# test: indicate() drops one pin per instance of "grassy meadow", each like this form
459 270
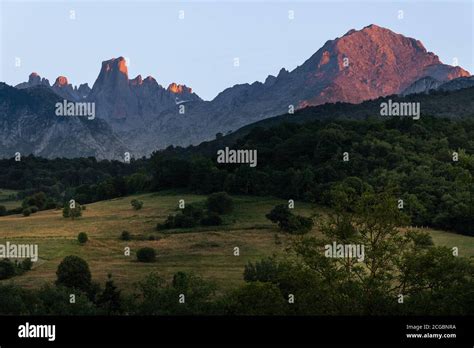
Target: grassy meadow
208 252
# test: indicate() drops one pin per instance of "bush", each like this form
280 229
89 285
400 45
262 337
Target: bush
220 203
7 269
73 272
211 219
265 270
26 212
125 235
294 224
193 211
33 209
136 204
26 264
146 254
279 213
72 212
3 210
297 224
183 221
82 238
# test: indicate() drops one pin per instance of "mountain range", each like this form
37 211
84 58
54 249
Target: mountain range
141 116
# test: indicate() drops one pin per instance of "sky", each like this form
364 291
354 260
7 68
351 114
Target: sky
200 50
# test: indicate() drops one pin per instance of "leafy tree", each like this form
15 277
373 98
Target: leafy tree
72 213
73 272
125 235
220 203
136 204
110 299
7 269
146 254
82 237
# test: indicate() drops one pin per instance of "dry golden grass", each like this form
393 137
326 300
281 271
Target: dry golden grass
206 251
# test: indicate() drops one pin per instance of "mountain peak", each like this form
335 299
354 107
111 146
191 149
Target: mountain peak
137 81
115 65
179 89
61 81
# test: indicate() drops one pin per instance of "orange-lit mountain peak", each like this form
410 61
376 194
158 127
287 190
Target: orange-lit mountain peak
178 89
34 74
122 65
115 64
61 81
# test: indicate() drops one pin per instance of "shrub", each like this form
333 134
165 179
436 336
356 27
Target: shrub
7 269
72 212
73 272
82 237
26 212
125 235
220 203
26 264
294 224
211 219
136 204
183 221
297 224
3 210
33 209
193 211
265 270
279 213
146 254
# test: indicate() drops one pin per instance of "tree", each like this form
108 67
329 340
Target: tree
256 298
136 204
146 254
72 213
7 269
125 235
82 237
3 210
288 222
220 203
73 272
110 299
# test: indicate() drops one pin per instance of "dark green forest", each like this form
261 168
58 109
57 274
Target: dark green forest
426 163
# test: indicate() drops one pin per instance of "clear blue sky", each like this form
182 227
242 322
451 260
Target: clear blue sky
199 50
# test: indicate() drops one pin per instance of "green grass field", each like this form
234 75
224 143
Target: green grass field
207 252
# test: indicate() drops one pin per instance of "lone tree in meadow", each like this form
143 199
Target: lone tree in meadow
72 211
220 203
82 237
136 204
73 272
